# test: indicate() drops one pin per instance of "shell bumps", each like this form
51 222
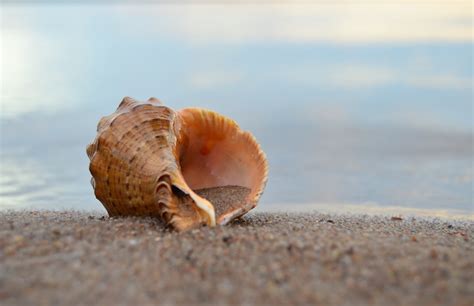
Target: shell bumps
149 160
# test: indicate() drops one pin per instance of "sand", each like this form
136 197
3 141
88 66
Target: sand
69 258
225 199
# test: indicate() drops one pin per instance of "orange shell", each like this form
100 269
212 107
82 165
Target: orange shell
148 160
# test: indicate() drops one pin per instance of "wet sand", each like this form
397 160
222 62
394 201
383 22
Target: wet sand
69 258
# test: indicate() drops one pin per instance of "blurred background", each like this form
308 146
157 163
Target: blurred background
357 104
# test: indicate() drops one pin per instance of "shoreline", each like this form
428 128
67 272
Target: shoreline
372 209
71 257
340 209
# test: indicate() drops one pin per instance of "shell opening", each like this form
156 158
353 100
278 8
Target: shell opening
217 153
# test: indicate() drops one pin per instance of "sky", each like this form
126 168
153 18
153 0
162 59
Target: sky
353 102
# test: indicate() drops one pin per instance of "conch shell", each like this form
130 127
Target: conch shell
149 160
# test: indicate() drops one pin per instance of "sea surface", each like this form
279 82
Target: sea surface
356 106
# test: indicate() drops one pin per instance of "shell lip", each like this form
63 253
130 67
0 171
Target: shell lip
228 217
206 207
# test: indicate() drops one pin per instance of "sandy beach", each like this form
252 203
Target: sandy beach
69 258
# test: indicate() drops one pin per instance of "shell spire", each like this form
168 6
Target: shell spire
149 160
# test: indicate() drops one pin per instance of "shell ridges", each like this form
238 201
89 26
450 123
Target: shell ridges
149 160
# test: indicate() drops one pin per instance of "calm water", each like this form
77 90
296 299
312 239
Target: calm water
353 104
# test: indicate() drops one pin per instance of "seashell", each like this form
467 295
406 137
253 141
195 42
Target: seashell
149 160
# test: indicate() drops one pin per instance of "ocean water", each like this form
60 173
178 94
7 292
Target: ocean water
356 106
